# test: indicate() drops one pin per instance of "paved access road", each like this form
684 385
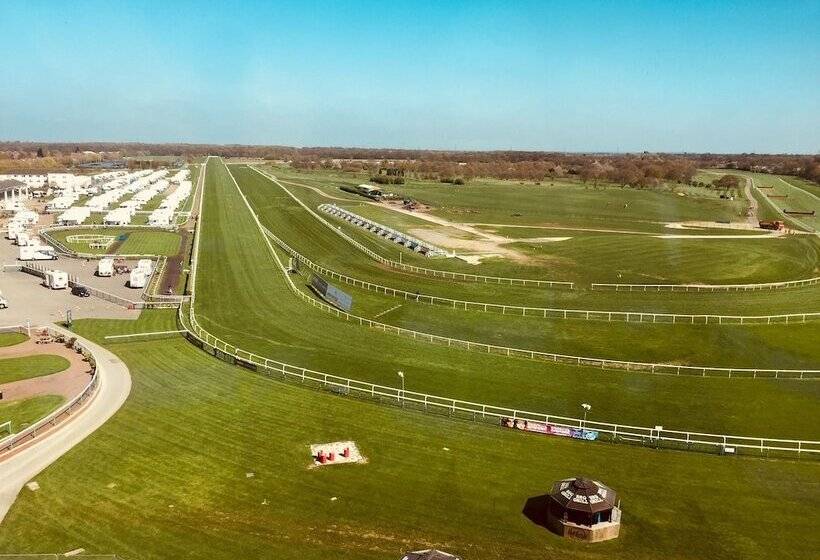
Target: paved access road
25 464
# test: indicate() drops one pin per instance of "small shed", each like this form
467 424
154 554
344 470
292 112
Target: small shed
584 509
430 554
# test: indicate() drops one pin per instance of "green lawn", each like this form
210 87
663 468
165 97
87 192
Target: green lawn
26 367
168 477
139 241
12 338
303 232
25 412
586 257
265 317
554 202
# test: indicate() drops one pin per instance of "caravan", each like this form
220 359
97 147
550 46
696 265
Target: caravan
146 266
37 253
136 279
105 267
56 280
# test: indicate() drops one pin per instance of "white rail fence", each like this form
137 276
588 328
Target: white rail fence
418 269
31 432
621 433
706 287
547 312
679 439
602 363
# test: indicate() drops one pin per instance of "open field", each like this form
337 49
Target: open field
256 285
138 241
304 233
175 462
639 258
554 202
26 367
207 459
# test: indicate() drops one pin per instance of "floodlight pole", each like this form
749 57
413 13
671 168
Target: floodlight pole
401 375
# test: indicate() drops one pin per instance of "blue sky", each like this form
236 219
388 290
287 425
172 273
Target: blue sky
574 76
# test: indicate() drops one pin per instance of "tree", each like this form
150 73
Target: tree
727 182
40 152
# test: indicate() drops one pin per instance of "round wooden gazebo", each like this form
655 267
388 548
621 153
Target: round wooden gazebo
583 509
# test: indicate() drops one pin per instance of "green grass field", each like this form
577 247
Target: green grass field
303 232
26 367
12 338
256 286
139 241
25 412
636 258
174 463
210 460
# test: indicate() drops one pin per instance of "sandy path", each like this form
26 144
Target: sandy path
565 228
18 468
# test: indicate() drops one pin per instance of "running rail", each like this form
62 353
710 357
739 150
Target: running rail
692 441
548 312
418 269
603 363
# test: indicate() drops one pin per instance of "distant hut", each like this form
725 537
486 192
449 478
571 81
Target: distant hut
430 554
583 509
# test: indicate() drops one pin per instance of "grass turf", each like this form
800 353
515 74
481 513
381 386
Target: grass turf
303 232
265 317
12 338
26 367
168 477
139 241
25 412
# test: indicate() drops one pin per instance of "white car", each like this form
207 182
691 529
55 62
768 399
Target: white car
4 303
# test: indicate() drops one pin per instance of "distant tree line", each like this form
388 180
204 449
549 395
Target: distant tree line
638 169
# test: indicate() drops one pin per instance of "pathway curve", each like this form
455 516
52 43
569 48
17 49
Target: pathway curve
67 383
28 462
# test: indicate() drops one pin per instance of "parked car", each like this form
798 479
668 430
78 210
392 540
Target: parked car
4 303
80 291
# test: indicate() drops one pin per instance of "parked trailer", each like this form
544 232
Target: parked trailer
23 239
105 267
136 279
56 280
37 253
146 265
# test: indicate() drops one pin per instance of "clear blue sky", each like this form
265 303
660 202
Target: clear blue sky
575 76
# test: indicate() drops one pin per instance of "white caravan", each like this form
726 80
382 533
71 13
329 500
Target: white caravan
37 253
56 280
136 279
105 267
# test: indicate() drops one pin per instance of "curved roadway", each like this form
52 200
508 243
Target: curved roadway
25 464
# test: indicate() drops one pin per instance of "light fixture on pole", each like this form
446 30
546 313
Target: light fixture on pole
401 374
587 407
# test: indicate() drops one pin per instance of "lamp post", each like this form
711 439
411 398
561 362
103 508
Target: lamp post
401 375
587 407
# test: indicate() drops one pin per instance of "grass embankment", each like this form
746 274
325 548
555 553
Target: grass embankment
305 234
26 367
209 460
138 241
25 412
266 317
